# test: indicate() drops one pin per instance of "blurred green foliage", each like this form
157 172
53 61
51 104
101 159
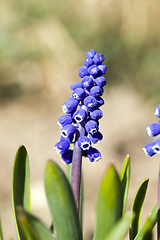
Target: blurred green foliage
38 39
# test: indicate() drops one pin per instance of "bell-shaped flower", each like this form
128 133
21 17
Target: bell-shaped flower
96 91
93 70
84 143
148 149
157 111
76 85
90 54
83 71
156 146
98 58
96 137
102 68
68 130
70 106
62 146
153 129
93 154
79 94
87 82
100 81
91 126
96 114
68 139
66 158
100 101
80 115
64 120
90 102
88 62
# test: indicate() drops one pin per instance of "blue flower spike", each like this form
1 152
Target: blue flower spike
80 122
153 130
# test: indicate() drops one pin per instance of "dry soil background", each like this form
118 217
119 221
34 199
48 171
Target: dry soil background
33 122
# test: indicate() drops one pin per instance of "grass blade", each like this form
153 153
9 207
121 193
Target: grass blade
21 186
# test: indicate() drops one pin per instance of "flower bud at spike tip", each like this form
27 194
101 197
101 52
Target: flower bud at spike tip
90 54
98 58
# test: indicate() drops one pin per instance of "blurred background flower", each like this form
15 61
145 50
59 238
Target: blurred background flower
42 46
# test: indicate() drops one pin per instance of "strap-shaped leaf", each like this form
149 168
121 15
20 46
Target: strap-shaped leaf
61 204
33 227
119 231
21 186
137 208
146 233
148 225
125 177
109 204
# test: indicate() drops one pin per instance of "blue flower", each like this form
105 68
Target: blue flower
157 111
80 125
148 149
90 102
80 115
153 130
84 143
91 127
68 131
93 154
62 146
64 120
79 94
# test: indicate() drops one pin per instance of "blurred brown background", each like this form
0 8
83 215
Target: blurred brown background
42 45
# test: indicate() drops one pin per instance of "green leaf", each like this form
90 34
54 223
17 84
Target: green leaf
21 186
109 204
146 233
61 204
32 226
119 231
1 234
148 225
125 177
137 208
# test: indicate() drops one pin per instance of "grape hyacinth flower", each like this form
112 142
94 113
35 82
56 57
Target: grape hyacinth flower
80 124
153 130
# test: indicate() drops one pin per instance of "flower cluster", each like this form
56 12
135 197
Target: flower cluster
153 130
80 124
